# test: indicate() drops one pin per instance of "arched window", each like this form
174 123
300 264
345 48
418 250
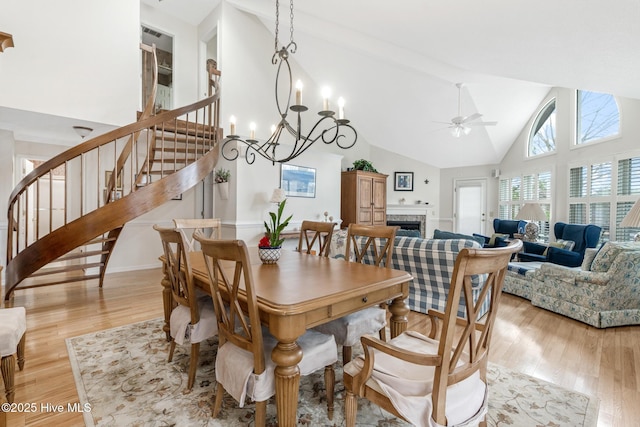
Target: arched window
543 133
597 116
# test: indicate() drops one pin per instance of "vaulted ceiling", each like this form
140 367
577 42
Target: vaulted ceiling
401 61
398 62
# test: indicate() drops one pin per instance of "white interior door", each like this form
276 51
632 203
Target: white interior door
470 206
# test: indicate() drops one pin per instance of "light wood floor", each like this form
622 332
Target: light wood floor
603 363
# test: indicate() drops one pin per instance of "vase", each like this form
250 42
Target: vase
269 255
224 190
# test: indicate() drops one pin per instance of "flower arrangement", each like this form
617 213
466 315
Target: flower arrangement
274 228
222 175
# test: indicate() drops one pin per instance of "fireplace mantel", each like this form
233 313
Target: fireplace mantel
409 209
422 213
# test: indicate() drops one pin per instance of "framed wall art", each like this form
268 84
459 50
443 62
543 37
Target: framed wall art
298 181
403 181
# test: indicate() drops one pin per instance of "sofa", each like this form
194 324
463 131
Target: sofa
439 234
430 262
603 292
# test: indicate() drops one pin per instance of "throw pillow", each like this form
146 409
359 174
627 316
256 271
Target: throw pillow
439 234
605 257
589 256
608 253
566 244
407 233
494 236
560 244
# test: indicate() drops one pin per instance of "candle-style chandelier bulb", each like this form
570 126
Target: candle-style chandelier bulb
328 128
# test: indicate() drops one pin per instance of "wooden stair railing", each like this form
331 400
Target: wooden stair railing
173 150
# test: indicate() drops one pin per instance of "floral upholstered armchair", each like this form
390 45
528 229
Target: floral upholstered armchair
604 292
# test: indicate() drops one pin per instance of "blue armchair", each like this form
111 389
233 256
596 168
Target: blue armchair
503 226
583 235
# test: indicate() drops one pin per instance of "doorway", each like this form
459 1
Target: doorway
46 209
164 51
470 206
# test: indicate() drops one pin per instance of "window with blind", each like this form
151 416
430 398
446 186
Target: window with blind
542 138
629 176
598 117
543 197
602 194
628 190
516 191
601 179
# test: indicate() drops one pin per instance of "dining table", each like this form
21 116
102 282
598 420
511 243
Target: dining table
299 292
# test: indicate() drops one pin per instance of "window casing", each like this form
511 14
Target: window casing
628 190
602 193
542 138
514 192
597 117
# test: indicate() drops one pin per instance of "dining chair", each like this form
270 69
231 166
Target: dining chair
315 233
13 332
188 226
193 319
439 378
244 367
372 244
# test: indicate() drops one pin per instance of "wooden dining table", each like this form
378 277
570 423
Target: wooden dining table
301 291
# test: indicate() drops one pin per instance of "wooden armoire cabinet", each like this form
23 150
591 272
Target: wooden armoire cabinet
363 198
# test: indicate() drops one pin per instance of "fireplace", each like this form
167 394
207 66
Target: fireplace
409 222
406 225
411 217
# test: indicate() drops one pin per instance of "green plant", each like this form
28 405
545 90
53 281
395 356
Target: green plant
222 175
275 227
364 165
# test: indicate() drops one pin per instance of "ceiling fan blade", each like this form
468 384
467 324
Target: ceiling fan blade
472 117
481 124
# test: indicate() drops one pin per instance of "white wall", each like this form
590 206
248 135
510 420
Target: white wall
245 47
516 163
251 186
248 79
185 53
73 59
448 177
387 162
6 186
138 245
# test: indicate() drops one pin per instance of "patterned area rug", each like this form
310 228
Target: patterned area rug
123 373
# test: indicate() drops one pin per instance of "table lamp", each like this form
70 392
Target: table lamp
278 196
531 212
632 219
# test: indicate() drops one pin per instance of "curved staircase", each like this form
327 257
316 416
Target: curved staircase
108 181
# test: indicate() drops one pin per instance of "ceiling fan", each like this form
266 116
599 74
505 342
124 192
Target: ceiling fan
461 125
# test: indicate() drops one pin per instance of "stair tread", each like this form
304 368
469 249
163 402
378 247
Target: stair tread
27 284
100 240
179 150
84 254
45 271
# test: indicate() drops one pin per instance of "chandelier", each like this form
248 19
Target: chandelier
328 128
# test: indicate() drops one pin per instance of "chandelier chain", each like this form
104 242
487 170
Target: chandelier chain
277 24
291 17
